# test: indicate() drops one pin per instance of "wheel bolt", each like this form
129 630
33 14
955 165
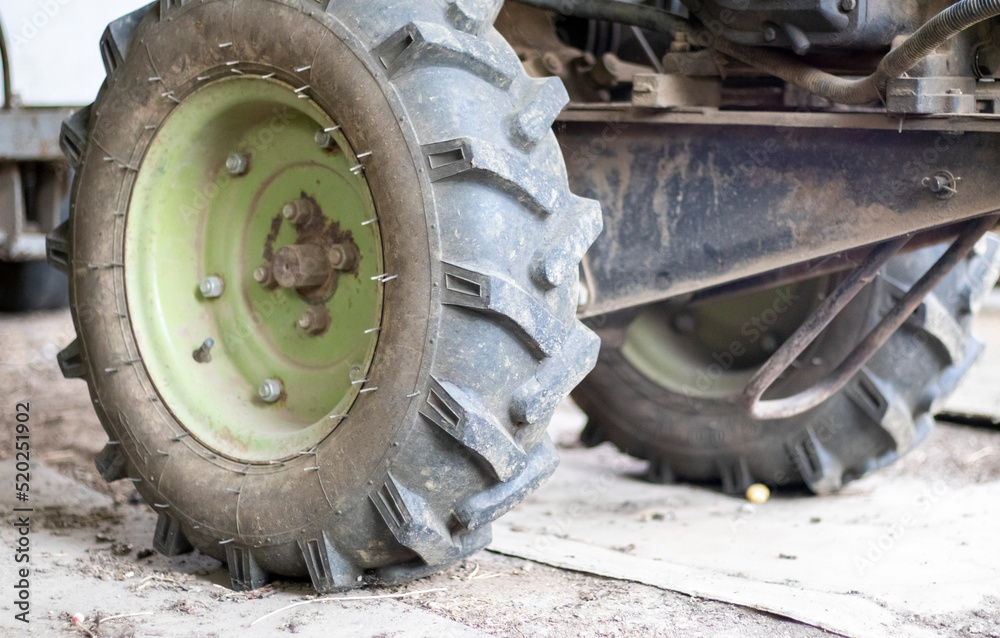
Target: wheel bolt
324 140
238 164
204 353
270 390
315 320
685 323
343 257
212 287
264 275
299 211
769 343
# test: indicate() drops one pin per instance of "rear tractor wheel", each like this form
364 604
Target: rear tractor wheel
668 389
322 264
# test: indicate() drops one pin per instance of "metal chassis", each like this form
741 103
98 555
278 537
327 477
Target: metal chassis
699 198
29 135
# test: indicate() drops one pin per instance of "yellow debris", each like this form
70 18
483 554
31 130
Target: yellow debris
758 494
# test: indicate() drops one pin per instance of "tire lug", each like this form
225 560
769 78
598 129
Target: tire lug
270 390
212 287
582 295
238 164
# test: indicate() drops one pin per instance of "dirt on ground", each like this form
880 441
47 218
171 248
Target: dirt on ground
99 560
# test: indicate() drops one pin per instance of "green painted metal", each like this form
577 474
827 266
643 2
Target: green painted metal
712 349
189 218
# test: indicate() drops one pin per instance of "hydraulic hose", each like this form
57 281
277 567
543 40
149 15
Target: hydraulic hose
938 30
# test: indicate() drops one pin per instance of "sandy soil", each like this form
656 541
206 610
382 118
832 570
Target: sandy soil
93 548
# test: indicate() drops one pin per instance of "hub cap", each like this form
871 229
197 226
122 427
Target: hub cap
711 350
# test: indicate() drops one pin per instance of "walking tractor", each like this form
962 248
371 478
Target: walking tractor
333 264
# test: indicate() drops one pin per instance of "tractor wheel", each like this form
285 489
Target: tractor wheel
668 390
323 269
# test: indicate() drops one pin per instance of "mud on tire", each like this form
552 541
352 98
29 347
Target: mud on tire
478 341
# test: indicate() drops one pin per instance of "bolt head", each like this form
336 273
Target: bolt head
270 390
552 63
769 342
290 211
212 287
685 323
324 139
237 164
261 274
315 320
770 34
848 5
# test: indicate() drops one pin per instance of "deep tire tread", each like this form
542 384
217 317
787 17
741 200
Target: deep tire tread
499 442
884 412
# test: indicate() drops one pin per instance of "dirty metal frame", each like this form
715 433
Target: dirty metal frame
808 332
30 136
697 199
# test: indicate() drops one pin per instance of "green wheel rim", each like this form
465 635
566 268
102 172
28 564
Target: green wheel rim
711 350
191 217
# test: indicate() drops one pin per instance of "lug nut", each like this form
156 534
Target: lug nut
204 353
324 140
238 164
270 390
315 320
299 211
212 287
264 275
769 343
343 257
685 324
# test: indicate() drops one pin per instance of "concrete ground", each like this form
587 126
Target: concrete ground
91 547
